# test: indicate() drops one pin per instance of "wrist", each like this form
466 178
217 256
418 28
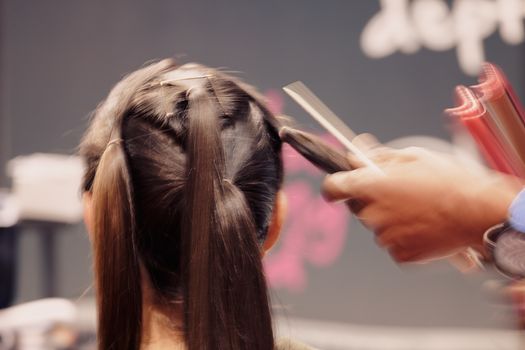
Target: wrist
494 201
504 244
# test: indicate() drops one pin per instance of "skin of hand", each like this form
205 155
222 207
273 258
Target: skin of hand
426 205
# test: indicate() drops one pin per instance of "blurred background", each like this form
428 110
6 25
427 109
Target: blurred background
386 67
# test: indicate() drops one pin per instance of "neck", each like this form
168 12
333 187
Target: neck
162 325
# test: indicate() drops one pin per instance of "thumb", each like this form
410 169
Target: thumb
354 161
354 184
367 144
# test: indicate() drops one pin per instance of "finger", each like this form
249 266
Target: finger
388 155
383 241
372 216
355 161
355 205
390 236
389 229
402 255
381 156
413 153
369 147
398 238
346 185
365 142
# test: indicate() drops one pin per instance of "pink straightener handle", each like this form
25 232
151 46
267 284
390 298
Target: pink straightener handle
472 115
492 93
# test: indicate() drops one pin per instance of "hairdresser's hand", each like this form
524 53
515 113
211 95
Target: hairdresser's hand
427 206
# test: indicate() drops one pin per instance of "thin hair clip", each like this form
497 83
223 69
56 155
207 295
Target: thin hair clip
115 142
190 89
168 82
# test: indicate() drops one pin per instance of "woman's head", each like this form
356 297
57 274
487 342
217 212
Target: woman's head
183 168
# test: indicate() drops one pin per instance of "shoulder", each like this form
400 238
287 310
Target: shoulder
288 344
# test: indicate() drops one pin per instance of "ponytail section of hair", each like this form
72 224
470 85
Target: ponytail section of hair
225 294
119 299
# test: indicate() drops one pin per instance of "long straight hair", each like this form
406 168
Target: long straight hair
183 173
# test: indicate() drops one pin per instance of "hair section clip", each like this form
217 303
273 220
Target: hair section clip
115 142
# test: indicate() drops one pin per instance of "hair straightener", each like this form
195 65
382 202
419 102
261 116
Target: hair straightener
315 150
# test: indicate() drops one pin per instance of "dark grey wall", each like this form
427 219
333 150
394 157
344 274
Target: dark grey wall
60 58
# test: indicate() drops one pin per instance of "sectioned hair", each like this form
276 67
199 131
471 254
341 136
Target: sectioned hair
187 193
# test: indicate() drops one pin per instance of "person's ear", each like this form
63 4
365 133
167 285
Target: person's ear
88 212
279 213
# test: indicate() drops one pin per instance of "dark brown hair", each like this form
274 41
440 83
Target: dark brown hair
184 164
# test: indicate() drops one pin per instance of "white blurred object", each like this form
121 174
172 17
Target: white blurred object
9 211
462 147
29 322
406 26
46 186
